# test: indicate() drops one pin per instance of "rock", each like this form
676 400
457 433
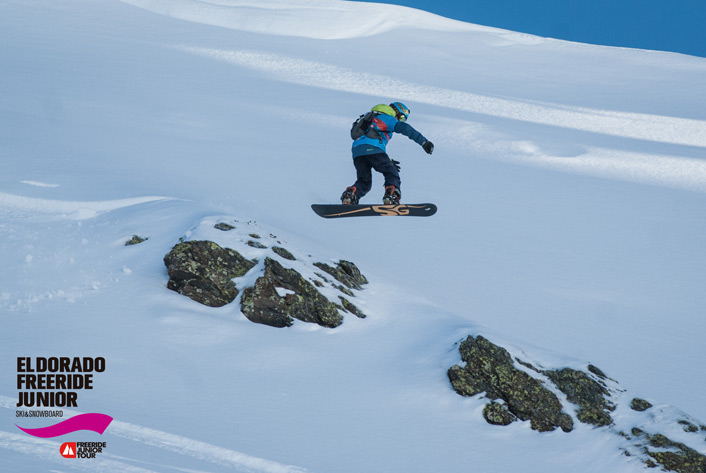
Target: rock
349 307
673 456
517 390
344 290
497 414
464 382
595 370
283 253
346 273
263 304
224 227
639 405
135 240
589 394
490 369
203 271
688 426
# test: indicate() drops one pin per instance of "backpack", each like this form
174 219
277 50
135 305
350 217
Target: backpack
362 126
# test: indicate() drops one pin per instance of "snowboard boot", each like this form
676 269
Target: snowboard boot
392 196
348 197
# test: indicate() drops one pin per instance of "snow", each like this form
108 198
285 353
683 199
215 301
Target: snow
571 187
320 19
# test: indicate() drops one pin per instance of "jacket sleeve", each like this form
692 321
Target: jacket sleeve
407 130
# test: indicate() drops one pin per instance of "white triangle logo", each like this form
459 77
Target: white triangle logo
68 451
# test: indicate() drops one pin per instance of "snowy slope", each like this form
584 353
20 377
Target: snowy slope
320 19
571 186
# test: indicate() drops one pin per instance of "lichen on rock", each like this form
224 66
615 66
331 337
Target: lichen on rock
497 414
490 369
587 393
284 253
348 306
274 294
346 273
203 271
135 240
224 227
518 389
688 426
263 304
639 405
673 456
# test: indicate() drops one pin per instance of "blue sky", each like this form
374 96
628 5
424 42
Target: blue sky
666 25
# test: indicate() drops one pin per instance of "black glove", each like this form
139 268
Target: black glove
397 165
428 147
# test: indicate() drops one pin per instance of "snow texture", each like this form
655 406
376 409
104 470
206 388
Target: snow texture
571 186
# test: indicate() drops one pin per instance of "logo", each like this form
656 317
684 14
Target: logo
394 209
385 210
68 450
56 382
82 449
95 422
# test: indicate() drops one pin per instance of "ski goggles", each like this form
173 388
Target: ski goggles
401 112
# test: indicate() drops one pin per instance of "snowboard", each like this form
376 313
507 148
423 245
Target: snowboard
399 210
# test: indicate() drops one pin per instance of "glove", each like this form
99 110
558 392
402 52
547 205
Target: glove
428 147
397 165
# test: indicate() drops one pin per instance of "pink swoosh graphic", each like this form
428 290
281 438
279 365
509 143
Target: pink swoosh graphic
95 422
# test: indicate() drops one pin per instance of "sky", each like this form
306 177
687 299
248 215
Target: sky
664 25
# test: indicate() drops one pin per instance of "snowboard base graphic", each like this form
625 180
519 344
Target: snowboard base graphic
399 210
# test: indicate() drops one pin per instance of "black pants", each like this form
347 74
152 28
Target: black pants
381 163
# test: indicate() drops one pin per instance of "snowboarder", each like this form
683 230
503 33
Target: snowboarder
369 152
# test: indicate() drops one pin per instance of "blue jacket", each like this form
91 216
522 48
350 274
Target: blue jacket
385 125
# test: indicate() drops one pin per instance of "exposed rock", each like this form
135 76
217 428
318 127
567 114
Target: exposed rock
263 304
517 393
589 394
528 365
203 271
464 382
340 287
595 370
135 240
283 253
497 414
349 307
490 369
639 405
673 456
224 227
346 273
688 426
344 290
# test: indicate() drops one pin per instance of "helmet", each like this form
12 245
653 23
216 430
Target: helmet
386 109
401 111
